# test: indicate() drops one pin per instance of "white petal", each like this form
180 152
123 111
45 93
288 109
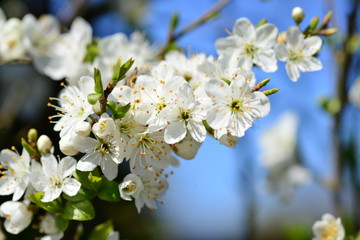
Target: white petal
310 64
67 166
218 117
266 60
282 53
244 29
217 90
197 130
294 37
109 168
175 132
89 162
266 35
261 104
225 43
292 71
71 186
51 194
312 45
49 164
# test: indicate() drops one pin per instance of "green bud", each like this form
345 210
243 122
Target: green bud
261 84
312 26
93 98
98 83
174 21
327 19
331 105
32 135
271 91
297 14
262 22
328 31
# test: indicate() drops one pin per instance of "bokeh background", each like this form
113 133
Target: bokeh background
221 194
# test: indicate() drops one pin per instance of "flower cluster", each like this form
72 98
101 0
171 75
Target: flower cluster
124 101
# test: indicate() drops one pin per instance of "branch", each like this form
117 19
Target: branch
173 37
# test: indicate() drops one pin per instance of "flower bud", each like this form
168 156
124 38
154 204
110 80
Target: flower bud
83 128
297 14
44 144
32 135
67 146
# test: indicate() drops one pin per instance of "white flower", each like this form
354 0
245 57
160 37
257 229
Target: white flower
186 67
74 106
53 178
145 189
354 93
48 226
145 150
278 142
39 35
298 53
119 46
235 105
11 46
225 138
328 228
16 178
66 55
251 45
186 148
182 116
106 151
17 214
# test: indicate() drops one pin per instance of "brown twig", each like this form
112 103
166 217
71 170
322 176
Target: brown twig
172 37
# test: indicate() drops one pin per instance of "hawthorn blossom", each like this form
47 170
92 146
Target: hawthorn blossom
74 106
298 53
53 178
18 216
145 189
48 227
251 45
15 171
235 105
328 228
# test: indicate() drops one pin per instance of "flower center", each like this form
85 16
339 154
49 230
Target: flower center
296 56
330 231
129 187
185 114
250 49
236 106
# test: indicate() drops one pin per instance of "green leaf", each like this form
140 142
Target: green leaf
80 211
83 194
88 180
95 181
109 191
53 206
120 71
61 223
92 51
98 83
102 231
118 111
27 147
93 98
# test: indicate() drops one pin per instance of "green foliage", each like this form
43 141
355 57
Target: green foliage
94 97
61 223
121 70
98 88
87 179
109 191
117 110
83 194
52 207
92 51
80 211
102 231
296 232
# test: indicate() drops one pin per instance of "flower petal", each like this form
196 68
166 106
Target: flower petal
312 45
175 132
266 35
281 52
266 60
244 30
67 166
294 37
310 64
71 186
49 164
292 71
